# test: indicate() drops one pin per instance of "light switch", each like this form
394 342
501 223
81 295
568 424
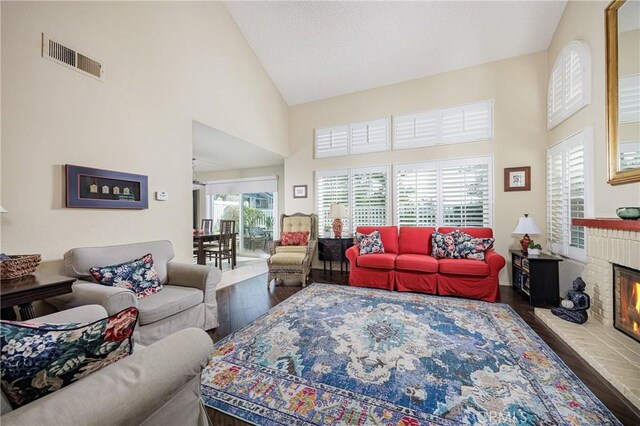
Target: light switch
162 195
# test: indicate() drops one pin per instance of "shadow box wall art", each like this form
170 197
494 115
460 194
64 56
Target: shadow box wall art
105 189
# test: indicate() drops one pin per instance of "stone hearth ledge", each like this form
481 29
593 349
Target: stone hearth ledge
612 354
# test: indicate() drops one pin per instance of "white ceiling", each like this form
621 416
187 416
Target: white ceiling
315 50
215 150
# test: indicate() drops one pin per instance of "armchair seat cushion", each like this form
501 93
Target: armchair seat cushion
463 267
291 249
288 258
170 301
378 261
417 262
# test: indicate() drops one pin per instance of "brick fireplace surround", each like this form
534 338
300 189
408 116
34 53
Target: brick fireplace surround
610 352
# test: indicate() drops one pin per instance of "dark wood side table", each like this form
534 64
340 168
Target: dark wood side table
536 277
26 290
330 249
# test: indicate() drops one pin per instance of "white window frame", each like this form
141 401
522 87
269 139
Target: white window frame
439 166
350 149
439 114
564 248
559 84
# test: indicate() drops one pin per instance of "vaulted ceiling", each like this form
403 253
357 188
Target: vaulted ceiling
315 50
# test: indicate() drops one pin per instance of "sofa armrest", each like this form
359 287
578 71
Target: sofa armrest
495 261
352 253
113 299
137 386
202 277
272 246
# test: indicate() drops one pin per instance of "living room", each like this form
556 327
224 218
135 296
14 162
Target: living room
276 75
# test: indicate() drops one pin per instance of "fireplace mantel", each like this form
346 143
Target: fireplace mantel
608 223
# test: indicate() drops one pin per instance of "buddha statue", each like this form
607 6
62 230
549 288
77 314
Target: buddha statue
573 307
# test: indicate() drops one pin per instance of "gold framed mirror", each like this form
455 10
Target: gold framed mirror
622 32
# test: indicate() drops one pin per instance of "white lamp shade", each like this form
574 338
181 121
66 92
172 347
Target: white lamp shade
337 211
526 225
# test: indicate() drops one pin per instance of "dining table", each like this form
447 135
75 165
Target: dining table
200 238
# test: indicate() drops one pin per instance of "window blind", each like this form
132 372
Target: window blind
332 141
369 197
466 123
466 199
569 84
370 136
417 194
331 187
415 130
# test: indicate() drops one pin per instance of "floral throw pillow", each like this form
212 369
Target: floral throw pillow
40 358
444 245
370 244
137 275
294 238
470 247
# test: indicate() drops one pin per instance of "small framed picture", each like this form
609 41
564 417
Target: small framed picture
299 191
517 179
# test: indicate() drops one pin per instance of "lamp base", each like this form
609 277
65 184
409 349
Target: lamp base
337 227
524 242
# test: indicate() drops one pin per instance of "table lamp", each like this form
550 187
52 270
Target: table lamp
526 226
2 210
337 212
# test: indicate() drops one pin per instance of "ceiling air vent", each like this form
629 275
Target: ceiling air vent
70 58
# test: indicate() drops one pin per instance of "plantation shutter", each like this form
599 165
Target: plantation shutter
466 122
369 197
331 187
370 136
555 96
573 84
416 194
567 195
333 141
629 99
415 130
466 193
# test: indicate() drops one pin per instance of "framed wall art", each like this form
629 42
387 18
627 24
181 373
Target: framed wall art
517 179
105 189
299 191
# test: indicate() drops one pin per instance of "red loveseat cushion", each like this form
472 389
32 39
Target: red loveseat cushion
463 267
378 261
415 240
476 232
417 262
388 235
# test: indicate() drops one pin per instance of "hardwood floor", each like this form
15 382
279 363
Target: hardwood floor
242 303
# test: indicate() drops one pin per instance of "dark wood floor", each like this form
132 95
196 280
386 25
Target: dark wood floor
242 303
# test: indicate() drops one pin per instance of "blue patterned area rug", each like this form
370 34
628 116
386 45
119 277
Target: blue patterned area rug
335 355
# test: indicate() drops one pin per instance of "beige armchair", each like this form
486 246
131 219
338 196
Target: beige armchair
156 385
187 299
293 261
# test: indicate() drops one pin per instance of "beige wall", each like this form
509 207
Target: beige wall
166 64
585 21
518 88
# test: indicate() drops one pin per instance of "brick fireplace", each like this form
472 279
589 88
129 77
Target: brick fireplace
614 354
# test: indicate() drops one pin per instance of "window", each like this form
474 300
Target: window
462 123
445 193
569 191
357 138
570 83
364 191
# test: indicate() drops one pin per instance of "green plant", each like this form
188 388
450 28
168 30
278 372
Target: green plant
268 222
251 217
533 245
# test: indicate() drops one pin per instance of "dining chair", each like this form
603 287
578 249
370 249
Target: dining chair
224 247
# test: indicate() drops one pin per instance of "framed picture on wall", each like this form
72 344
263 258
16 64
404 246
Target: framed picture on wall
105 189
517 179
299 191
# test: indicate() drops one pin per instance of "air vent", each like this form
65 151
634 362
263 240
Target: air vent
70 58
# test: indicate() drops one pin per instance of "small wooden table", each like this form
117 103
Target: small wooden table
536 277
200 239
330 249
23 291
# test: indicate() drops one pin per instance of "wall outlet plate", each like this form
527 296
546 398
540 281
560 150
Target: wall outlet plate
162 195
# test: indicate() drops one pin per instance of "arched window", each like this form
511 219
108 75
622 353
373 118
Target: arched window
569 84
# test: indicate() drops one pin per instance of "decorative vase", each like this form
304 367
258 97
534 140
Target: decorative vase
337 227
628 213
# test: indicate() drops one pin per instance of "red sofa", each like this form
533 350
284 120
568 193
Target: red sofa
407 265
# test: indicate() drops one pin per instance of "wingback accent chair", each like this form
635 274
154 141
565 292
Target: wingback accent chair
293 261
187 299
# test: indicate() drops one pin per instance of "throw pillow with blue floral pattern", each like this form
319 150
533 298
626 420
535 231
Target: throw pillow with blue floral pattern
137 275
370 244
39 358
444 245
470 247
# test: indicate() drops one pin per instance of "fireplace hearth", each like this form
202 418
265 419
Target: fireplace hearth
626 300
